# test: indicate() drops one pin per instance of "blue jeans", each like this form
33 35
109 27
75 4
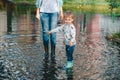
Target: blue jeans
69 52
48 22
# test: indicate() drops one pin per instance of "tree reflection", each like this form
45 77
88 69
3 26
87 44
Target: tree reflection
9 16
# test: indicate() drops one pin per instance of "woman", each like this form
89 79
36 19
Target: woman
48 12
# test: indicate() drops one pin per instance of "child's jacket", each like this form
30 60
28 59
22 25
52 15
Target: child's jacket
69 32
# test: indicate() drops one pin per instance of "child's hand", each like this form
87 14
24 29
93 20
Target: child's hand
49 32
71 43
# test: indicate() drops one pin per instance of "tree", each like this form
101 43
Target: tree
113 3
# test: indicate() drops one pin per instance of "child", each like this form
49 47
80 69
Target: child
69 35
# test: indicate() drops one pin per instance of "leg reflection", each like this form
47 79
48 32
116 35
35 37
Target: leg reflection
53 70
69 73
45 70
49 70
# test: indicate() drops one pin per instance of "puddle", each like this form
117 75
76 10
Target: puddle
21 50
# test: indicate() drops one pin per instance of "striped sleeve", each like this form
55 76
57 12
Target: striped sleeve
58 29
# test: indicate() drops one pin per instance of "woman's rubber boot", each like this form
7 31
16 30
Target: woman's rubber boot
52 52
46 54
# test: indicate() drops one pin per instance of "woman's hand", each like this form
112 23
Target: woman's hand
49 32
38 13
38 16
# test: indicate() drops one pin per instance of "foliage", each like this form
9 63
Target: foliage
115 38
25 1
113 3
93 6
98 6
116 35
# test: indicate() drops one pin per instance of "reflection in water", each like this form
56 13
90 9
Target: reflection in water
94 40
91 62
10 8
69 73
35 28
49 70
3 23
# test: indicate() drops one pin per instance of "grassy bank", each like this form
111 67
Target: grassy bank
116 35
92 8
115 38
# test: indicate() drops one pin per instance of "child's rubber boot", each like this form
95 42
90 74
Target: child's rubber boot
69 64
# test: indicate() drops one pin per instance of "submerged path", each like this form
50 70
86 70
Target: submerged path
21 55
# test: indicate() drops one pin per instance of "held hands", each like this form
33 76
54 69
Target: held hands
71 43
49 32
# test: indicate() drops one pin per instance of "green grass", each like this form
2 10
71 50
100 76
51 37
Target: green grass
25 1
96 8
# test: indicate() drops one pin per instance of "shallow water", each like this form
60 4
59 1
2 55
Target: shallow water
21 50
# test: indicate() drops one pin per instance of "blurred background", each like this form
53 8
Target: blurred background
97 55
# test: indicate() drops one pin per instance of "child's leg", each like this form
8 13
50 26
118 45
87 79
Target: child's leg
69 54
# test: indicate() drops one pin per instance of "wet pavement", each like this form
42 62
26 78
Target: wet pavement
21 53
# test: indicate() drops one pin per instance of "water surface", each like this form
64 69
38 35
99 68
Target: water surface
21 49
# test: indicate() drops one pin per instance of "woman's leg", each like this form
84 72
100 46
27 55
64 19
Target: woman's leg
45 27
53 24
69 54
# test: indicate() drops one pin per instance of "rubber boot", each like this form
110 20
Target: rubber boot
46 54
69 64
52 52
